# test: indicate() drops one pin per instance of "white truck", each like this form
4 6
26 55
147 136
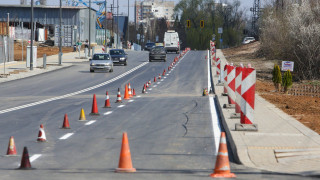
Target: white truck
171 41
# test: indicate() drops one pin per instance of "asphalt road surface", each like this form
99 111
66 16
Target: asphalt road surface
169 129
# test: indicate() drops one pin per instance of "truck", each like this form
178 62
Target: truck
171 41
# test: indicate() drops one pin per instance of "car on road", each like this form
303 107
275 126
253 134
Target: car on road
101 61
149 46
118 56
171 41
158 53
248 40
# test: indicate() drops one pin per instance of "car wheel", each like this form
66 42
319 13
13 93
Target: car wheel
149 60
177 52
91 70
125 63
111 70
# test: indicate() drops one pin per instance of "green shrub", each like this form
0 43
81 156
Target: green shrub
276 74
287 79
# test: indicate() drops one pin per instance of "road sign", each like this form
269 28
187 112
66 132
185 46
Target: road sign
220 30
221 40
201 23
287 65
138 36
188 24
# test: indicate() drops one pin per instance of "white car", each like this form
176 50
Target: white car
101 61
248 40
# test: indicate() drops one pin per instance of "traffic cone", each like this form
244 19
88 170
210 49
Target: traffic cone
126 93
205 92
168 68
149 82
41 135
82 115
147 85
12 151
119 97
164 72
65 124
133 92
155 79
125 162
107 101
144 89
94 110
222 167
129 91
159 77
25 161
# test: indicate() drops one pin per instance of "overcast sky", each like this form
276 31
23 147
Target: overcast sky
123 4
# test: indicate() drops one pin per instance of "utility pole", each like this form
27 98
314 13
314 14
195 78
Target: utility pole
112 9
89 28
255 16
60 38
31 48
105 27
128 23
117 23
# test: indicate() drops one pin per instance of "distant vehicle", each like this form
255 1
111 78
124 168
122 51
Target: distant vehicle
248 40
171 41
158 53
101 61
118 56
149 46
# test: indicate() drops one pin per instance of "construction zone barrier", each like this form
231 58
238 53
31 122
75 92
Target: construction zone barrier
125 162
225 79
222 167
231 84
238 81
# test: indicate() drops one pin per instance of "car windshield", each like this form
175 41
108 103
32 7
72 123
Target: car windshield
150 44
157 48
101 57
117 52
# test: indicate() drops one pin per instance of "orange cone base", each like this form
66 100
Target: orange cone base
118 102
26 168
94 114
224 175
125 170
41 140
65 128
107 107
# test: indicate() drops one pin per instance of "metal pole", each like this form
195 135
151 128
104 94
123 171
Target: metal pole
105 27
60 38
117 23
22 40
89 27
31 48
112 9
128 23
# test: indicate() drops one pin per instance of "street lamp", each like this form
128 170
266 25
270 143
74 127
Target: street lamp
128 23
89 27
60 38
105 26
31 48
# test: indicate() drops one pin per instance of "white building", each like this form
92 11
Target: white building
148 9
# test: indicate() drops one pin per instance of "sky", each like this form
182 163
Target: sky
123 4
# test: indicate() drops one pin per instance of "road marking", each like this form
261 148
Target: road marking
150 89
158 82
73 93
66 136
167 74
138 96
165 77
90 122
155 86
34 157
121 106
131 100
161 80
107 113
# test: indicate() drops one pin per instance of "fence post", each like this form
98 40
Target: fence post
44 61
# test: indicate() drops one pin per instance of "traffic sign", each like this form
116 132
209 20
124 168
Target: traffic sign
201 23
188 24
220 30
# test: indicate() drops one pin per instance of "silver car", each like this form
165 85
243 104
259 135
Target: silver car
101 61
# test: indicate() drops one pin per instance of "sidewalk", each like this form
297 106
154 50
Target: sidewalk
282 144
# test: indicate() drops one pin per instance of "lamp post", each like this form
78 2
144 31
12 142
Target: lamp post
117 23
89 27
128 23
31 48
105 27
60 38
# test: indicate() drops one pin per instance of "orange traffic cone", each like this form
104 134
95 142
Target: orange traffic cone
65 124
41 135
94 110
155 79
129 91
82 115
164 72
126 93
12 151
222 167
149 82
159 77
25 161
125 163
133 92
107 101
169 68
119 97
147 85
144 89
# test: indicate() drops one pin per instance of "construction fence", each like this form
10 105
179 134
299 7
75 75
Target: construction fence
6 49
305 90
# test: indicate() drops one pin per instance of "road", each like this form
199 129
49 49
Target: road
169 129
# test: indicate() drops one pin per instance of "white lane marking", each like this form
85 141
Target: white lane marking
161 80
155 86
107 113
90 122
165 77
158 82
121 106
167 74
34 157
131 100
138 96
74 93
209 82
150 89
66 136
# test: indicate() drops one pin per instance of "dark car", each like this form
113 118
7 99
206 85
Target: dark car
118 56
158 53
149 46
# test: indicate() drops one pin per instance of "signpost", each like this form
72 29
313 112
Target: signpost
220 31
287 65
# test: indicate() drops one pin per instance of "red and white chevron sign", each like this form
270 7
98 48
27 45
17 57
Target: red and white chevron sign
218 63
225 78
248 95
231 81
238 88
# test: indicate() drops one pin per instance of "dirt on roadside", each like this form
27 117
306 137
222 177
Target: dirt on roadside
305 109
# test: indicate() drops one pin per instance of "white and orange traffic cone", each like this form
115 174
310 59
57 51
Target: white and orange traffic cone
155 79
159 77
144 89
147 85
133 92
149 82
164 72
107 101
119 97
222 167
129 91
41 135
12 151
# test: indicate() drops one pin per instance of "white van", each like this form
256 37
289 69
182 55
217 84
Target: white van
171 41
